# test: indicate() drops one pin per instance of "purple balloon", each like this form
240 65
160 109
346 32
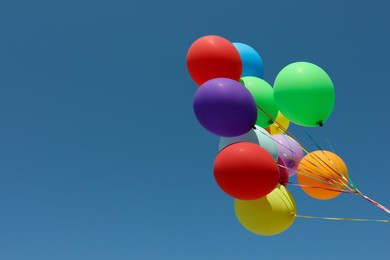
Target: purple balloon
289 151
225 107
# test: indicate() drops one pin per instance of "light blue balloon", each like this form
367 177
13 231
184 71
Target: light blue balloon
252 64
257 136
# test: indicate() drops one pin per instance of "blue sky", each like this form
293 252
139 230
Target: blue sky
101 156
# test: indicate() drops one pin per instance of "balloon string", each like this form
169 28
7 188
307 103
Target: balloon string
380 206
345 183
320 176
280 126
319 173
287 132
337 171
288 148
344 219
296 140
319 147
317 187
350 182
353 189
321 179
337 187
326 139
336 183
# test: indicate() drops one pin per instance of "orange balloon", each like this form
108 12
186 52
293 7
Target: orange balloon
322 174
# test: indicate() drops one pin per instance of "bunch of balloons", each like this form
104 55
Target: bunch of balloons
256 156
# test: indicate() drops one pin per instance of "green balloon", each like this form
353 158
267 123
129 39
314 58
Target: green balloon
263 95
304 93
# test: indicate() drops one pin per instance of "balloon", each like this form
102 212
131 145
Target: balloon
283 172
304 93
225 107
245 171
252 64
257 136
289 151
269 215
212 57
280 125
263 94
322 175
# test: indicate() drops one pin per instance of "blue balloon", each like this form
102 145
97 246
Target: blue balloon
252 64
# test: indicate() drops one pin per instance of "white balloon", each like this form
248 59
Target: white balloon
257 136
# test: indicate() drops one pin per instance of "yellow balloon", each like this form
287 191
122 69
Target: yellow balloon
269 215
280 125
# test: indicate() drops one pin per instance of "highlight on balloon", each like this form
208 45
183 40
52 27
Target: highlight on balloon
258 157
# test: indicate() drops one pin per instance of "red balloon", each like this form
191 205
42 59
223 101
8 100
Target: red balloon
212 57
283 172
246 171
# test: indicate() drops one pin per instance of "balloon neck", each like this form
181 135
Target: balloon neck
254 127
320 123
293 214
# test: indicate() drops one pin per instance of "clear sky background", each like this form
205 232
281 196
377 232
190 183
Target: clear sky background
101 156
